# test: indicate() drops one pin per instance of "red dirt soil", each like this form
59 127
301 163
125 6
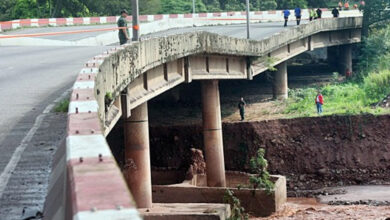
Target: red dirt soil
311 152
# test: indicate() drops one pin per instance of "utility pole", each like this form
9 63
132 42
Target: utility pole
247 20
135 14
193 7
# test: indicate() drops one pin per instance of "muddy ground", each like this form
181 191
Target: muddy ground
311 152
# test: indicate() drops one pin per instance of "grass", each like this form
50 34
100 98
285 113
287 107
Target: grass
62 106
348 98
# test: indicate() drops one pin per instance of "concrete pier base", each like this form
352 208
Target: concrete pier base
137 156
280 82
212 134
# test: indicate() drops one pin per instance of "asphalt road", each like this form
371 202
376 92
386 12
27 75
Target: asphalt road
31 78
66 37
258 31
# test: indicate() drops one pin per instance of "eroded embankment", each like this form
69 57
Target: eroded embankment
311 152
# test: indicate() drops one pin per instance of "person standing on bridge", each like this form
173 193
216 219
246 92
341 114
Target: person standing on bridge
241 107
335 12
312 14
123 31
346 5
286 14
298 14
319 102
319 13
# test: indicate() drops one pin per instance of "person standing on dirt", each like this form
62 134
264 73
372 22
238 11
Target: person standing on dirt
286 14
124 31
335 12
319 102
298 14
319 13
241 107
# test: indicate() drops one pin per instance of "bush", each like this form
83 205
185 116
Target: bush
259 166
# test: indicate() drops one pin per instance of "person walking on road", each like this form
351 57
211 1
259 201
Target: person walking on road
319 13
298 14
124 31
241 107
312 14
335 12
319 102
286 14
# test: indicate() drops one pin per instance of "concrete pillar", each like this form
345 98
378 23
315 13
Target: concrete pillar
345 59
280 83
212 134
137 156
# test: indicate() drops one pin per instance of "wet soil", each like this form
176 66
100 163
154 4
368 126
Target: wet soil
306 208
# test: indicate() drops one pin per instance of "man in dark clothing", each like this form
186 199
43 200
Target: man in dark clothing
298 14
335 13
124 31
286 14
241 107
319 13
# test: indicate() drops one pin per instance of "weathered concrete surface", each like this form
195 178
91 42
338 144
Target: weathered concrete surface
137 156
193 211
257 202
212 134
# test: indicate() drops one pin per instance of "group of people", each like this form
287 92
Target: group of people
313 14
346 6
317 14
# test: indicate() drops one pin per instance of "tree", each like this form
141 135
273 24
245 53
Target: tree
149 7
376 13
268 5
234 5
212 5
289 4
180 6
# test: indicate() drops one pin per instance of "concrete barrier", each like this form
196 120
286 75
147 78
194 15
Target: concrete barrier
255 16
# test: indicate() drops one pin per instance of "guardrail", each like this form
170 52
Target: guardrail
255 15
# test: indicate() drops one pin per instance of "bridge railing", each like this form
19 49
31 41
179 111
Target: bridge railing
255 16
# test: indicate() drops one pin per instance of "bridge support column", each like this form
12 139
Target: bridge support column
280 83
345 59
212 134
138 173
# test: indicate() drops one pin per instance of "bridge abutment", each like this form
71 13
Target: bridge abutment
280 82
212 134
137 156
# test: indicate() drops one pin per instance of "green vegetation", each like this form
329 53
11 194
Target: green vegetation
261 177
62 106
360 95
237 211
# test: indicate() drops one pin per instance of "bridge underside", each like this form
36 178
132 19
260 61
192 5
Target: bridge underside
209 68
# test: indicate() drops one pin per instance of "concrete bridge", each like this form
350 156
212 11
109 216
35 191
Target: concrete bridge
119 83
